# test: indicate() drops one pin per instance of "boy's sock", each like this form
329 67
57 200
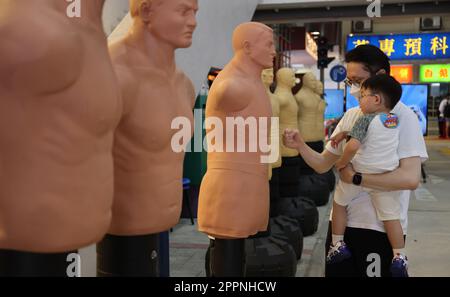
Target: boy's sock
399 251
336 238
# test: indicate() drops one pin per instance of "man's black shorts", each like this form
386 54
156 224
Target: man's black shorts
371 254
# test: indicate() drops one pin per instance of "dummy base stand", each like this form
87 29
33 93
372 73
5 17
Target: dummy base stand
128 256
274 185
25 264
227 257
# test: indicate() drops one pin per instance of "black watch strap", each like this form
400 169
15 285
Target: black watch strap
357 179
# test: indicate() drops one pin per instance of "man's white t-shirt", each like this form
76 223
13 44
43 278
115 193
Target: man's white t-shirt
360 211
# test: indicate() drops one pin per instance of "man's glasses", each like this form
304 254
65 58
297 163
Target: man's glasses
350 83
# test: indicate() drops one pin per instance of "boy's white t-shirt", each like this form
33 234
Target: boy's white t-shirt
378 151
360 211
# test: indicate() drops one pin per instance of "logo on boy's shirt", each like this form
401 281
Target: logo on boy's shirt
390 121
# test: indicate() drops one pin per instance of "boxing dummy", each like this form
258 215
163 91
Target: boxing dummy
59 105
321 108
234 194
288 106
148 171
267 78
319 88
311 109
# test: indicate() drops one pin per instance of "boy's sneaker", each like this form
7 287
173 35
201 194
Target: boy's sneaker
338 253
399 266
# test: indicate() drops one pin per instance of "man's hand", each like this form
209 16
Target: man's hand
338 138
346 174
292 139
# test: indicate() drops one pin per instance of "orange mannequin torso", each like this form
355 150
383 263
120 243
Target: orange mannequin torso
148 173
59 104
288 106
234 194
311 110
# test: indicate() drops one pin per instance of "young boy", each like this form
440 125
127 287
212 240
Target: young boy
374 138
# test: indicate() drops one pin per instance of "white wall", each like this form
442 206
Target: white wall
212 40
113 13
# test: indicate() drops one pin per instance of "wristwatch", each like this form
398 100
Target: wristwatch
357 179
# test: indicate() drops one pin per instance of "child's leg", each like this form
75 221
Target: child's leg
338 223
394 232
387 206
343 194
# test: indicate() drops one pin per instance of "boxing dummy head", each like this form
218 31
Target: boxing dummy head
319 88
255 42
267 77
286 77
170 21
309 81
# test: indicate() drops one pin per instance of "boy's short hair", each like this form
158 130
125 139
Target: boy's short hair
388 86
373 58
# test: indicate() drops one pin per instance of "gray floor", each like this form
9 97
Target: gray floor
428 241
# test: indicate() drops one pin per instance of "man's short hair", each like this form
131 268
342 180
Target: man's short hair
373 58
386 85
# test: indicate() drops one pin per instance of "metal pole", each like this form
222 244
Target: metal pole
322 76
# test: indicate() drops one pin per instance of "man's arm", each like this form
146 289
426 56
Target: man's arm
405 177
321 163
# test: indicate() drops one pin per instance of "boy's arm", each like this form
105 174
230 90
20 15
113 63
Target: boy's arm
358 133
350 150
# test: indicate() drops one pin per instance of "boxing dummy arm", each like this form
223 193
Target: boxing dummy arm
232 95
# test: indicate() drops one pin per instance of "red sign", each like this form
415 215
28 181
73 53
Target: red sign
402 73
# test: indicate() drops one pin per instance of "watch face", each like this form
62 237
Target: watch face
357 178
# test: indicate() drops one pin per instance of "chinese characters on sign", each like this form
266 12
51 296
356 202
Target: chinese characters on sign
402 73
407 46
435 73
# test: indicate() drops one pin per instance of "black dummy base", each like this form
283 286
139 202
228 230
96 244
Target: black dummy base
128 256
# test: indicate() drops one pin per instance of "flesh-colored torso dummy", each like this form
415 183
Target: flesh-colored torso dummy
148 173
288 106
59 104
234 194
267 78
311 110
320 109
